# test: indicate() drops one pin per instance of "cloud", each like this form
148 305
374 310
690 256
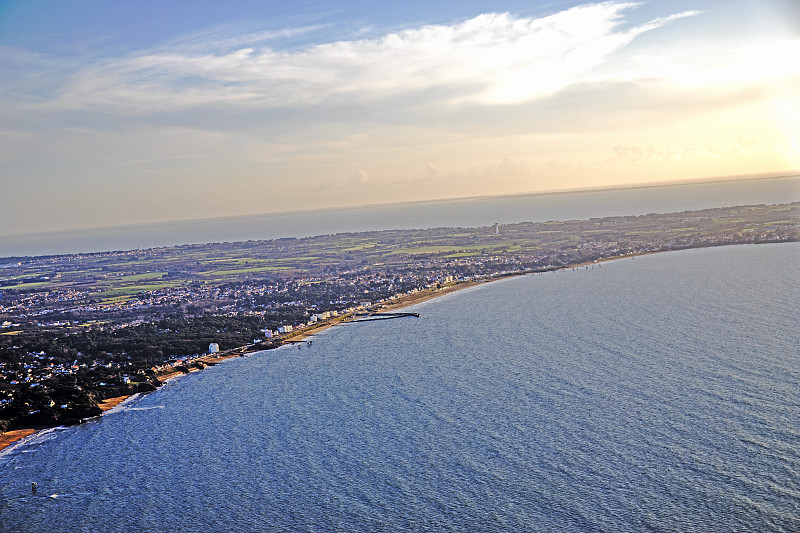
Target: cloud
225 38
742 146
491 59
359 177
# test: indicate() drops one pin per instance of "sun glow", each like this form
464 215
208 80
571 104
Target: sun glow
600 94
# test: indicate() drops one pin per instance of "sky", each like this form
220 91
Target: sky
143 111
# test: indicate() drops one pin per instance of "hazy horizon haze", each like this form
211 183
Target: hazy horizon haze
117 113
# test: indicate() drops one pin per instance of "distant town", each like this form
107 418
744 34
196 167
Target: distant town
78 329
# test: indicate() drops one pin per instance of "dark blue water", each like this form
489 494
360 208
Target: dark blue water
660 393
472 212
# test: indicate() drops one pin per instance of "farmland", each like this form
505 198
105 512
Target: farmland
90 326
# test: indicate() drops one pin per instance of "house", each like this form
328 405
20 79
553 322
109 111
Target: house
213 348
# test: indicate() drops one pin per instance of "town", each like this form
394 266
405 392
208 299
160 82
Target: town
78 329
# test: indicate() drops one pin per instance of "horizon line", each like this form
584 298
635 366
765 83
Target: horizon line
632 186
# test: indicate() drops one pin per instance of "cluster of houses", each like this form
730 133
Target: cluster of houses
38 368
232 298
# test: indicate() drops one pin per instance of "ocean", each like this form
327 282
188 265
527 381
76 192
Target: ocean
473 212
660 393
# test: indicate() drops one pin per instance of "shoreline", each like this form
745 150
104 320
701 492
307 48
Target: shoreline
10 437
110 403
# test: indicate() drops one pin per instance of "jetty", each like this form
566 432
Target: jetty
370 317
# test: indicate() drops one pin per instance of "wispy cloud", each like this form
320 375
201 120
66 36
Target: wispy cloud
318 110
490 59
229 38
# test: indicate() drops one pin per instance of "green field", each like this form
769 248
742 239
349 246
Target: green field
116 277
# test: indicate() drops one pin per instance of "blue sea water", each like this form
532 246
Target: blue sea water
471 212
660 393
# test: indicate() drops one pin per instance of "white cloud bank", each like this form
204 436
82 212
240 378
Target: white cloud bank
497 104
487 60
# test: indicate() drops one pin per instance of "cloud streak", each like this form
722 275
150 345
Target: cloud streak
491 59
286 116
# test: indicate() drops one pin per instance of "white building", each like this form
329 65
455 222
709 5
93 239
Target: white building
213 348
321 316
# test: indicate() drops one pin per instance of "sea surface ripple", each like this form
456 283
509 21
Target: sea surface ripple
660 393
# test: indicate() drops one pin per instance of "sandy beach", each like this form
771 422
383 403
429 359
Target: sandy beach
423 296
10 437
111 403
396 304
406 300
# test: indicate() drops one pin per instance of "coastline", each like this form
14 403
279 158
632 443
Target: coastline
10 437
110 403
